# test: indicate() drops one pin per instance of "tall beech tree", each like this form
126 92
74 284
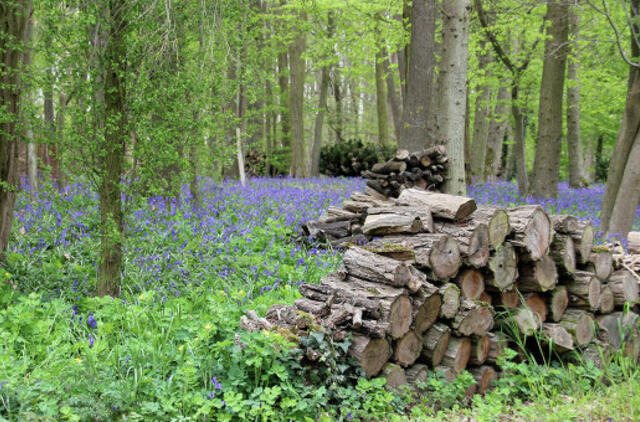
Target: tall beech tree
546 168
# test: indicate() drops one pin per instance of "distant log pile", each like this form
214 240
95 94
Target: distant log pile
425 170
441 281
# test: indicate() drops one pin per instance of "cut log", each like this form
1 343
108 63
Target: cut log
607 302
537 304
449 207
479 350
624 287
471 283
449 374
374 194
426 308
417 373
438 253
335 212
584 291
564 223
473 318
537 276
633 241
312 307
503 268
564 254
457 354
389 167
345 242
579 324
422 213
509 299
484 376
524 320
557 302
371 354
556 336
601 264
391 224
532 230
361 263
486 298
407 349
450 294
497 343
435 343
622 332
327 231
583 241
394 375
497 220
472 238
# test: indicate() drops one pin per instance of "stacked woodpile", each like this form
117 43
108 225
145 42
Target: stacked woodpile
351 157
443 282
426 170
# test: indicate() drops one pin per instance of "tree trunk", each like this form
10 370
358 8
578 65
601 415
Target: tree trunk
337 97
481 121
283 82
519 149
392 95
381 99
32 159
317 131
546 168
112 148
453 83
296 103
573 103
415 134
13 38
497 131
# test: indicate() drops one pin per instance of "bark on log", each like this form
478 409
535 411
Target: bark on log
584 291
471 283
624 287
601 264
503 268
417 373
426 308
557 301
394 375
435 343
472 238
497 220
583 241
437 252
407 349
532 230
473 318
484 376
450 294
497 343
390 166
564 254
607 302
537 304
579 324
423 214
457 354
361 263
538 276
479 350
449 207
564 223
382 224
557 337
371 354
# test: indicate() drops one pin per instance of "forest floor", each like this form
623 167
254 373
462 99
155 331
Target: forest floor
170 348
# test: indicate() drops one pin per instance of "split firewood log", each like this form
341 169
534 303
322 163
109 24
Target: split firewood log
624 287
579 324
503 268
537 276
438 253
473 318
472 238
371 354
457 354
407 349
557 302
435 343
532 230
448 207
497 220
584 291
558 337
